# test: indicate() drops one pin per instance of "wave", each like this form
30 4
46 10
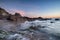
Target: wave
35 30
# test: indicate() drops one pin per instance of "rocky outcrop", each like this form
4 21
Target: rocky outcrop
6 16
3 14
17 17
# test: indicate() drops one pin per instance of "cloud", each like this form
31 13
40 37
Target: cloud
18 11
21 12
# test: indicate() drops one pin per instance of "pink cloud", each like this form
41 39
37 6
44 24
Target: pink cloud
21 12
18 11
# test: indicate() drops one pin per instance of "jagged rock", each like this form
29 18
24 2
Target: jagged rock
16 17
3 13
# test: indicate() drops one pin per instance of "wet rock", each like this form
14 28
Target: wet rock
57 19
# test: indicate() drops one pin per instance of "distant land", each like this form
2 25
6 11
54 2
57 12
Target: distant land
4 15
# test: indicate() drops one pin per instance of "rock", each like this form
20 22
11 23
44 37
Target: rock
18 15
57 19
3 34
3 13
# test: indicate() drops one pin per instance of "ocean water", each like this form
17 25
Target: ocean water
34 30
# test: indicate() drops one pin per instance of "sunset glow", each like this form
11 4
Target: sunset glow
33 8
21 12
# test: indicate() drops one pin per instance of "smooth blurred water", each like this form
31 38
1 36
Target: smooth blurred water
33 30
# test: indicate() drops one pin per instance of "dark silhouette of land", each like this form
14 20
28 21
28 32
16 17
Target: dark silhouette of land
4 15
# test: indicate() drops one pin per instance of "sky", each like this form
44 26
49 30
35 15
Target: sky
33 8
